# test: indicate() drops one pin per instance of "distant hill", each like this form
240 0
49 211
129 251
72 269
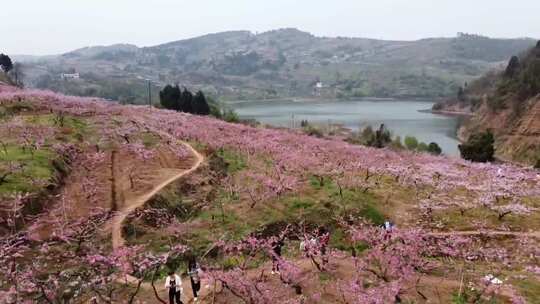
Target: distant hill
507 102
280 63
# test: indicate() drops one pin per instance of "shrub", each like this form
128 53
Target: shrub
230 116
215 110
382 137
411 142
479 147
396 143
199 105
313 131
378 139
434 148
169 97
367 137
513 67
496 103
422 147
5 63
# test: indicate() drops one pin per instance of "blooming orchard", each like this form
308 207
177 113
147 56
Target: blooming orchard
388 266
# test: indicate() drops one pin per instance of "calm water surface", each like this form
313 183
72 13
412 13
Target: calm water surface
402 117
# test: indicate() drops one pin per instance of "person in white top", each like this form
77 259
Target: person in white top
174 283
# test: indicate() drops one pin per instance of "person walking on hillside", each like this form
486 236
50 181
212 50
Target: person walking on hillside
276 244
388 226
174 283
324 240
193 272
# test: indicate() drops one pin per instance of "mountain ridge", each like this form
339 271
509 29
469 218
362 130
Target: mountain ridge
241 65
268 32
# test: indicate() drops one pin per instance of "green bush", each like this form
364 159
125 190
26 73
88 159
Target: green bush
221 111
367 136
372 214
313 131
379 139
479 147
422 147
396 143
434 148
459 298
382 137
230 116
411 142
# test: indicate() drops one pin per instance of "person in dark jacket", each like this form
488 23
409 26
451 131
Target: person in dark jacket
277 244
193 272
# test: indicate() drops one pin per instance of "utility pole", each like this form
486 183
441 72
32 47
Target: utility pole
149 93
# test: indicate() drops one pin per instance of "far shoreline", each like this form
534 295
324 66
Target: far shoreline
447 113
324 100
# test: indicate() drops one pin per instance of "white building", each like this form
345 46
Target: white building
317 88
65 76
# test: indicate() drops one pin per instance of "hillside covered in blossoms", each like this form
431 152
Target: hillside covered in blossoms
99 201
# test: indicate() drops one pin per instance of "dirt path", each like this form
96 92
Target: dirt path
167 176
535 234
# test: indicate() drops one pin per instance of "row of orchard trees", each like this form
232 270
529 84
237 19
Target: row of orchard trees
173 98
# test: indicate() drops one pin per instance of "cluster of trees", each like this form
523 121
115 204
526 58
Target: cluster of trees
173 98
310 129
12 70
5 63
520 81
479 147
413 144
382 138
378 139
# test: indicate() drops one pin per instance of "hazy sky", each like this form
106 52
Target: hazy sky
56 26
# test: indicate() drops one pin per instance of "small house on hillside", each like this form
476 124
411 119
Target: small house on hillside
317 88
66 76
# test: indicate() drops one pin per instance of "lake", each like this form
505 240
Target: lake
401 117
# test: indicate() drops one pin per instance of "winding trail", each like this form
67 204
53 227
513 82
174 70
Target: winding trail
130 205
